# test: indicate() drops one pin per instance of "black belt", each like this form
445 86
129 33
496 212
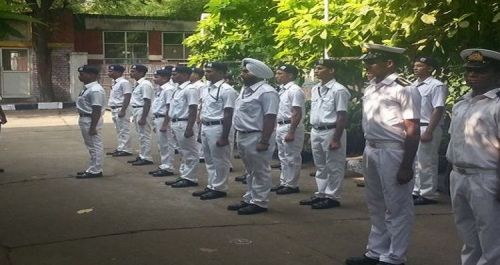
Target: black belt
115 107
208 123
245 132
284 122
182 119
137 107
424 124
85 115
160 116
325 127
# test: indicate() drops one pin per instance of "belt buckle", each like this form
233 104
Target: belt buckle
372 145
461 170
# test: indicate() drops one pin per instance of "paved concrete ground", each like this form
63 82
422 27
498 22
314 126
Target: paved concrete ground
128 217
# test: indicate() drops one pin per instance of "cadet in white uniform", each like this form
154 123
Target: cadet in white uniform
255 120
216 116
183 106
329 100
3 120
142 96
119 99
474 151
391 124
433 93
164 134
290 129
90 104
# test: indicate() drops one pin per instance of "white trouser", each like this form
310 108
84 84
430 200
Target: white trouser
93 144
165 145
330 164
188 148
426 166
217 159
258 166
144 132
477 216
122 126
390 205
290 155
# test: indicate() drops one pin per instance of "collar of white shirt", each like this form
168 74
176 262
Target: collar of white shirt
217 84
256 85
89 85
183 85
119 79
287 85
490 94
387 81
328 84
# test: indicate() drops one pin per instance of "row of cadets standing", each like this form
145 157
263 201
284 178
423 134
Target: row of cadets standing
217 107
183 106
142 97
119 100
165 138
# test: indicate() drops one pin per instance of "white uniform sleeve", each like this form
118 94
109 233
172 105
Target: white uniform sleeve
439 95
97 98
191 95
229 98
270 102
410 103
342 98
298 98
148 91
127 87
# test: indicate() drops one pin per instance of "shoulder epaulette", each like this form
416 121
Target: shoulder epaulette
403 82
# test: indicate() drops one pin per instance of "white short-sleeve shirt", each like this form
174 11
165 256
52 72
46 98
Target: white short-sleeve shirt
162 95
475 130
183 96
291 95
144 89
252 104
120 87
92 95
215 98
385 107
326 101
433 93
199 85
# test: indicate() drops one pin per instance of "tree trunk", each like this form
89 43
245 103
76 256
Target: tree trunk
41 34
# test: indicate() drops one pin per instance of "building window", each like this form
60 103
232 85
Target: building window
173 47
125 47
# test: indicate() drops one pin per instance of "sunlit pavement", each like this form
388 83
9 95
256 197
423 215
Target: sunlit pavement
128 217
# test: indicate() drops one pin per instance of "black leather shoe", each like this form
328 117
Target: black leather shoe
153 171
423 201
162 173
312 174
202 160
80 173
184 183
88 175
170 182
276 166
326 203
277 187
112 153
2 170
142 162
135 160
237 206
213 194
244 181
310 201
251 209
121 153
287 190
364 260
230 169
198 193
241 178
